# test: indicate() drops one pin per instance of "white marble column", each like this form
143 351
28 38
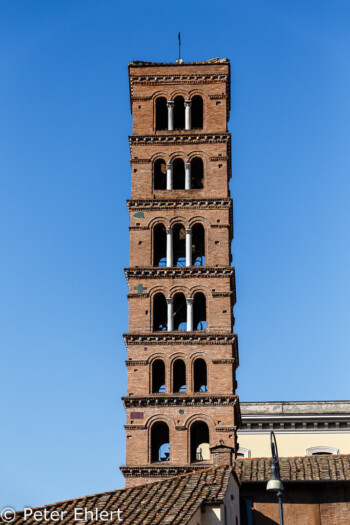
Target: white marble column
170 104
170 313
189 302
169 247
169 176
188 104
188 247
187 175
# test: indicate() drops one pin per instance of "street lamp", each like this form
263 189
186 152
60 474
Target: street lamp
275 484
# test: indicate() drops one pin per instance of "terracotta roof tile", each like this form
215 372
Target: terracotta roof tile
304 468
173 500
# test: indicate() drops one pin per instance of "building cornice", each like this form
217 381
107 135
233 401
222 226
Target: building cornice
193 203
161 338
156 471
184 137
182 271
172 400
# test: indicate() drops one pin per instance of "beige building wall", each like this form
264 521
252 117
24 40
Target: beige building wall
298 426
293 444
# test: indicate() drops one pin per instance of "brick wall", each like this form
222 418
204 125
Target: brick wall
210 206
303 504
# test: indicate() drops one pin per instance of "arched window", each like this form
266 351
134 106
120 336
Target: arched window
159 313
179 245
159 245
179 113
200 441
159 174
180 312
200 376
197 112
160 446
198 247
199 312
196 173
179 376
178 174
158 376
161 113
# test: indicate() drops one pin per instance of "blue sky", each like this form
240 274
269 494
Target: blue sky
64 178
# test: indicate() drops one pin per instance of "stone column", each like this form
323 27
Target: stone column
188 104
188 247
169 176
187 175
169 247
170 313
170 104
189 302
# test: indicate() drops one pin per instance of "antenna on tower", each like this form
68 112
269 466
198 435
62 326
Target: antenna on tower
179 60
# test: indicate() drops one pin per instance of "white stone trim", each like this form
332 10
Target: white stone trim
316 450
245 451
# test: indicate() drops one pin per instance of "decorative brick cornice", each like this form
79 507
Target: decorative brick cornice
222 294
217 158
173 400
184 339
137 295
226 429
224 361
181 137
135 427
156 471
137 228
217 97
161 338
196 204
130 362
138 205
182 272
219 226
140 161
140 99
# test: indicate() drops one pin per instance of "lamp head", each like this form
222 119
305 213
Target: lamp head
275 485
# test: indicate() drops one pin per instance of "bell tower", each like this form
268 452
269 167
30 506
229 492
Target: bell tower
181 406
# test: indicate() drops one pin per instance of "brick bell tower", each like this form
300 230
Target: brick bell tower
181 407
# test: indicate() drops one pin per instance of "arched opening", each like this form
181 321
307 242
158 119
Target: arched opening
180 313
161 113
158 376
159 313
198 245
200 376
200 450
159 245
179 376
197 112
179 113
199 312
160 446
178 174
179 245
196 173
159 174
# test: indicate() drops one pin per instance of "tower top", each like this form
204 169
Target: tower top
211 61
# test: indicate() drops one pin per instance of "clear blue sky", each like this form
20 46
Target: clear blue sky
64 178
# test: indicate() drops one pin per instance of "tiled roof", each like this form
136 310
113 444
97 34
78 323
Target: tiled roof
305 468
217 60
173 500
